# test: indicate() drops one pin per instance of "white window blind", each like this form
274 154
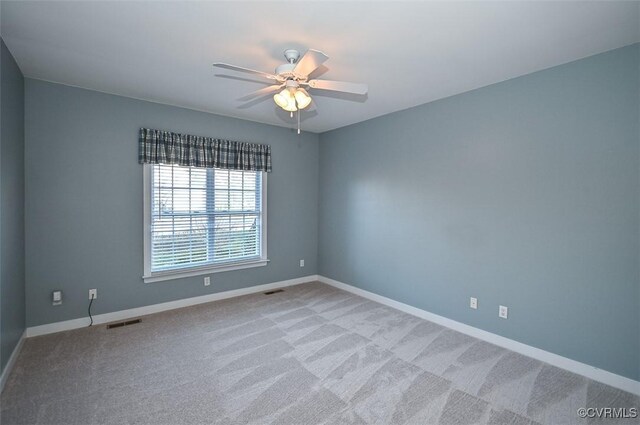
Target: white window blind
203 217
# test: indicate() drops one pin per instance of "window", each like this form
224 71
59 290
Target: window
202 220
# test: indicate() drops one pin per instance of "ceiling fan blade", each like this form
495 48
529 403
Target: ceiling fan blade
309 62
249 80
246 70
341 86
261 92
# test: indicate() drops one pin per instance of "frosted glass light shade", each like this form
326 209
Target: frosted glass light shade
302 99
285 100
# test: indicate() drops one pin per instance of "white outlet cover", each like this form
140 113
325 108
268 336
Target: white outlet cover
301 263
207 281
503 312
93 293
473 303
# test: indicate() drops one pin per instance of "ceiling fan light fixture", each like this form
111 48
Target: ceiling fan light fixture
302 99
291 107
282 98
286 100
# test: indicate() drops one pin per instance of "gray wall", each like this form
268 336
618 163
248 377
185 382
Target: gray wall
524 193
84 201
12 279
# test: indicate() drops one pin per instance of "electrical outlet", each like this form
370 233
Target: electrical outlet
93 294
207 281
473 303
503 312
301 263
56 298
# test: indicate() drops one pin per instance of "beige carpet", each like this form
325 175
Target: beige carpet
311 354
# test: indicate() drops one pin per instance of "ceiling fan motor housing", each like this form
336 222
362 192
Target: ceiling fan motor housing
286 70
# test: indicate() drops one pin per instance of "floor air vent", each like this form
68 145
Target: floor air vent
121 324
274 291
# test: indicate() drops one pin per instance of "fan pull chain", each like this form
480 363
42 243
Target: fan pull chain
298 121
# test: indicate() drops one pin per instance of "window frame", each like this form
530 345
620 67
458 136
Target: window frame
149 276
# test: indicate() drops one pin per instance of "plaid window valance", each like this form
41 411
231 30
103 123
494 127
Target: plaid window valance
165 147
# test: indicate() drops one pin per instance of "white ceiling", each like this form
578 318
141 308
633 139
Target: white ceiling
408 53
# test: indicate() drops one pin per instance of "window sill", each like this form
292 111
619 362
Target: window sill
178 274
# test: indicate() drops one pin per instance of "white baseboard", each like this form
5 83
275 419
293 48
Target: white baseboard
156 308
12 361
574 366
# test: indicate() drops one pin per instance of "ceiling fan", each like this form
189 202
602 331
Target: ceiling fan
291 81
